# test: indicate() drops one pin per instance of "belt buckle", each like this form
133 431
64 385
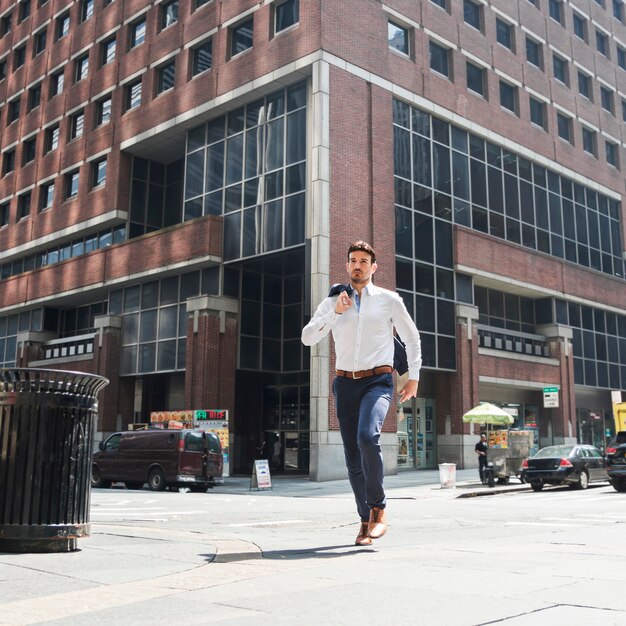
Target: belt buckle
355 377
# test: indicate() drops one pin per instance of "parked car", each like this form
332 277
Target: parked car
574 465
616 461
161 458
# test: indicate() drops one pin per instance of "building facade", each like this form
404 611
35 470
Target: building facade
180 182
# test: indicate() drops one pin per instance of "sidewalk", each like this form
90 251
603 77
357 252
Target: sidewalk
123 569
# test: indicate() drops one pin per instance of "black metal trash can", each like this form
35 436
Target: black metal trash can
47 423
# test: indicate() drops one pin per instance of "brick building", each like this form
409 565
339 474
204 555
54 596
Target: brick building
180 180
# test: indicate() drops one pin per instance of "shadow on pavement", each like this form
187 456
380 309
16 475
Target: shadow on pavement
315 553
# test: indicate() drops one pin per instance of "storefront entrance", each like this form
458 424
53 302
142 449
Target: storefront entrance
416 434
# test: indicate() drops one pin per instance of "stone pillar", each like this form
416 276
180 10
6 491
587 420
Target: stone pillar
457 393
563 418
29 346
211 359
326 451
107 353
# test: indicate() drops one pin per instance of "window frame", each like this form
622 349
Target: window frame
128 95
96 179
592 136
514 91
62 25
561 120
282 3
81 67
105 51
483 75
100 110
77 125
29 150
407 43
611 153
134 29
446 56
46 196
478 15
510 44
162 74
194 57
607 99
537 49
532 103
71 185
233 32
23 206
166 14
52 138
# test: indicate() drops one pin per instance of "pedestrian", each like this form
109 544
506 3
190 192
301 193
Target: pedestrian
362 318
481 450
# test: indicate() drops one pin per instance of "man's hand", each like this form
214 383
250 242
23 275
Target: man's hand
343 303
408 391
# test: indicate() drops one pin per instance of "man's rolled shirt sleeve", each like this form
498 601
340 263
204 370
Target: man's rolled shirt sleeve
321 323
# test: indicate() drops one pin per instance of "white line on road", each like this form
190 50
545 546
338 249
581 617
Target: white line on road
544 524
144 513
273 523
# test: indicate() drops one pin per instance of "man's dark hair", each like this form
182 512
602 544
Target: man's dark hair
362 246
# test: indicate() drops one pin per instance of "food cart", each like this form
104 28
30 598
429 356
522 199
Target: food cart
506 452
507 449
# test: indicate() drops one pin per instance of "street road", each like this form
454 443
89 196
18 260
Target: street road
287 557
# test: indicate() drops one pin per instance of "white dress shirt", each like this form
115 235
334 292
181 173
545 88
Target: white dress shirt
364 336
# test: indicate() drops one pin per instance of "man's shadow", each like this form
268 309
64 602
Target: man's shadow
322 552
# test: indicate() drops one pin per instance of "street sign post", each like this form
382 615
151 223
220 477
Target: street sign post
550 397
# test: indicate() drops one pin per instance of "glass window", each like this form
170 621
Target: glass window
504 33
14 110
589 141
34 97
584 85
241 37
618 10
580 26
607 99
86 10
23 206
621 57
537 112
398 37
137 33
472 14
133 95
71 184
56 83
560 69
98 172
475 78
103 111
169 13
533 52
28 150
40 41
439 59
46 196
82 68
508 96
19 57
202 58
107 53
602 43
166 77
77 125
440 3
286 14
62 25
556 10
51 138
611 153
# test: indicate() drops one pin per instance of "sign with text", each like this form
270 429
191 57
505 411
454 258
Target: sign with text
261 478
550 397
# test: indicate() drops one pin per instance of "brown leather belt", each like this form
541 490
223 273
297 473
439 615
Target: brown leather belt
377 371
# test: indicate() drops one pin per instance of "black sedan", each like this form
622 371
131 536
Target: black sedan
616 461
573 465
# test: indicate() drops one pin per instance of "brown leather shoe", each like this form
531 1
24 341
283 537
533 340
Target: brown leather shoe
362 538
378 522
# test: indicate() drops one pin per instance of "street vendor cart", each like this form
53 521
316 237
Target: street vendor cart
506 452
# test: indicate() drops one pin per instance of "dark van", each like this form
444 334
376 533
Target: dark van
161 458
